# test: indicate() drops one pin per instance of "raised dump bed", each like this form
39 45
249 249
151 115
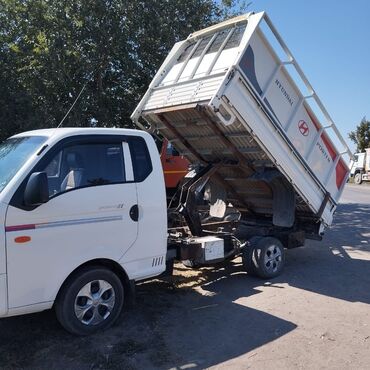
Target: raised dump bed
233 95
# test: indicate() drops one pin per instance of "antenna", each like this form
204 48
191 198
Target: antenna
78 96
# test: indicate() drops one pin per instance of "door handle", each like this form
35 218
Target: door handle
134 213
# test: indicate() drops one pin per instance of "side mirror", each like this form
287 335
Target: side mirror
37 189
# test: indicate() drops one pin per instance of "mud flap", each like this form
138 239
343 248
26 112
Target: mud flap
284 199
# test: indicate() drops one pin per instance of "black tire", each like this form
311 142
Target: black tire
247 256
266 258
101 282
358 178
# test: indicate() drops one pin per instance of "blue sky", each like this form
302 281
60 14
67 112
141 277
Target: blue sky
331 42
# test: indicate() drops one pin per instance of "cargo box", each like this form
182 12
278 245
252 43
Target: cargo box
234 95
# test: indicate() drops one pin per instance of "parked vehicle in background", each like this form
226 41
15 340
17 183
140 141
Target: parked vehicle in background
360 167
175 166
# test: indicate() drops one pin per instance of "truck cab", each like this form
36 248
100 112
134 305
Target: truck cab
80 222
360 167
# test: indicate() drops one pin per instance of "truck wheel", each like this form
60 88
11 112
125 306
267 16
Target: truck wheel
90 301
247 256
266 257
358 178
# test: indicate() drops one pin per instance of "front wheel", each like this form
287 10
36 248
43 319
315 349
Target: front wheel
90 301
264 257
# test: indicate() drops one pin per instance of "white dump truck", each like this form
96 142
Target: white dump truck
360 167
84 213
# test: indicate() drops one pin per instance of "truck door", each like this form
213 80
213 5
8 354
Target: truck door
89 216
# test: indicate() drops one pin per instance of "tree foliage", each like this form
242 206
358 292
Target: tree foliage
50 49
361 136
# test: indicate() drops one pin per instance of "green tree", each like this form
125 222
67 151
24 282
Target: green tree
361 135
50 49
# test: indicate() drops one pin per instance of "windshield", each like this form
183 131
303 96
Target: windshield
14 152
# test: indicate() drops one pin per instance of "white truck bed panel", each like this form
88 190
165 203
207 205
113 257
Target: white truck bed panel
224 95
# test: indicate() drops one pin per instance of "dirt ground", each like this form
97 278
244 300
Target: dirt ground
316 315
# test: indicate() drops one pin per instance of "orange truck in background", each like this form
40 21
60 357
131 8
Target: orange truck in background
175 166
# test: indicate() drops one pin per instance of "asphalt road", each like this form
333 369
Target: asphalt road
316 315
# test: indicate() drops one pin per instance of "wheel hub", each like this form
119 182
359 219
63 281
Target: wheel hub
94 302
272 258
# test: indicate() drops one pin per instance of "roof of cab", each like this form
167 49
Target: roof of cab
58 133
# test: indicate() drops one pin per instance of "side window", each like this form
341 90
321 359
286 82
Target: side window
53 168
141 161
85 165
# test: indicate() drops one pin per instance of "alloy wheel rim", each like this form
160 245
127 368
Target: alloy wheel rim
94 302
272 258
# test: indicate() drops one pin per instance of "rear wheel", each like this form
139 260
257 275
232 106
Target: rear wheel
265 257
358 178
90 301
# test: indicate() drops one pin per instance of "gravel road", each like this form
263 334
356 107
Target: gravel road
316 315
